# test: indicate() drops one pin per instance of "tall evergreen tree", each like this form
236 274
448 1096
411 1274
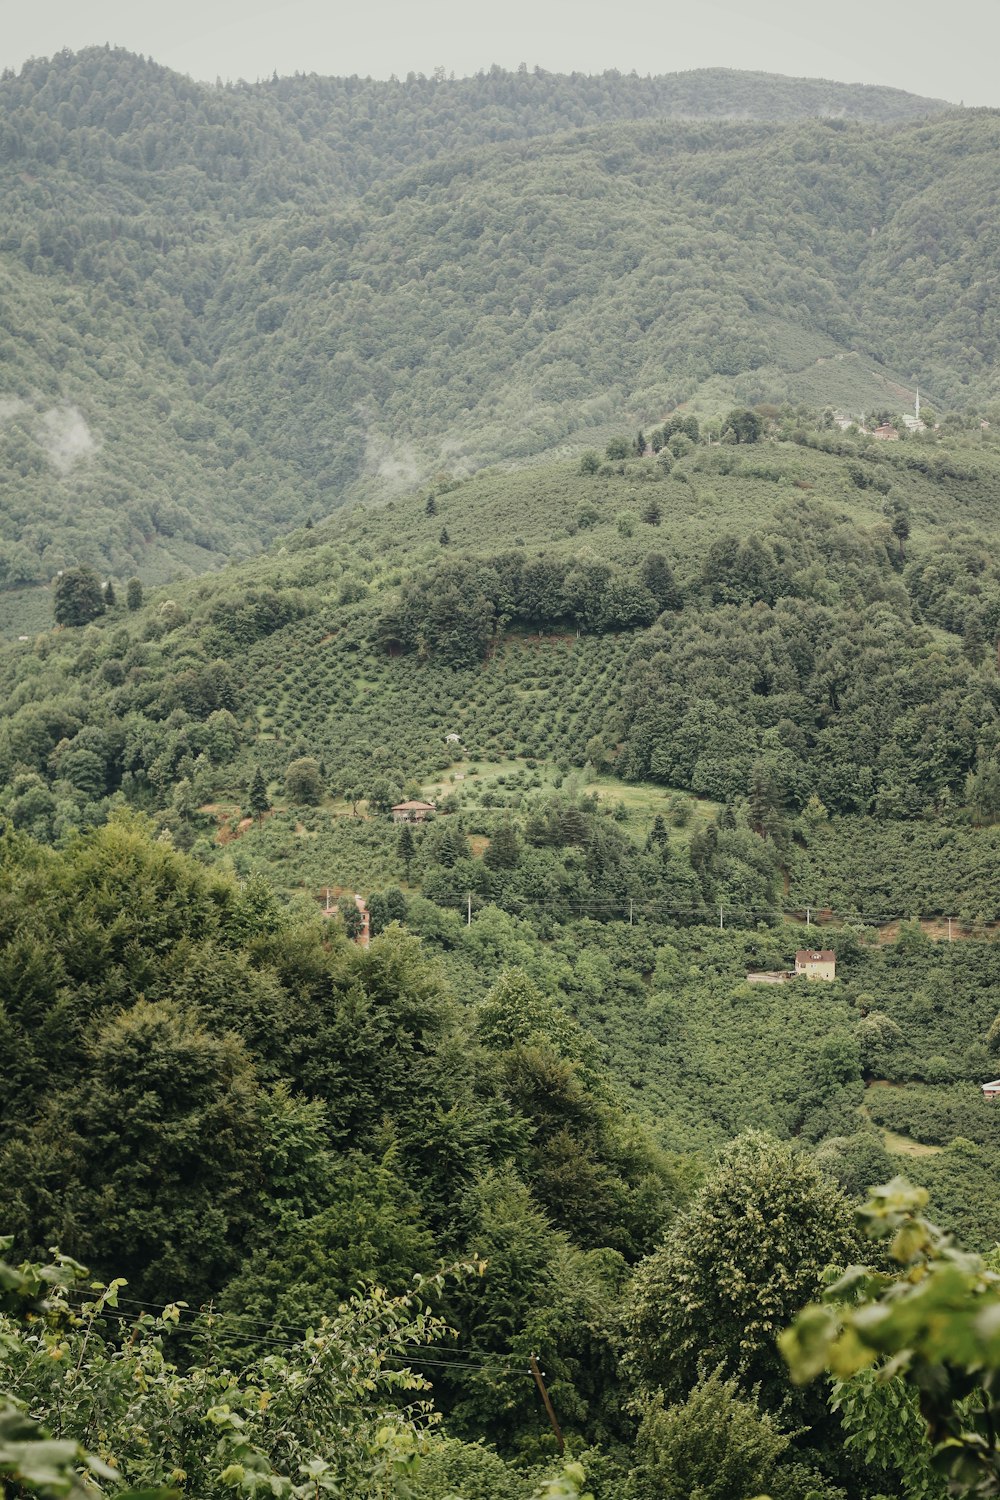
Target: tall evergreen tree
573 826
504 850
657 576
259 801
405 846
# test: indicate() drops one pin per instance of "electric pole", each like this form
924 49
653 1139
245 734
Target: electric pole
548 1403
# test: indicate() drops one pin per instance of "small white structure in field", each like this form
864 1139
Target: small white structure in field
991 1091
453 739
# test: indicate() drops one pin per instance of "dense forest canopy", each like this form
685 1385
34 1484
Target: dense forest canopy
226 310
406 1089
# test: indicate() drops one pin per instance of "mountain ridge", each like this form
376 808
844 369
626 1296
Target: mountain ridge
239 340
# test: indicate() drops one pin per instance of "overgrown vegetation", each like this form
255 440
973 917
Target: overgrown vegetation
227 310
358 1123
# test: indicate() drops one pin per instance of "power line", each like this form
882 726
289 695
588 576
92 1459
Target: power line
621 908
220 1334
206 1310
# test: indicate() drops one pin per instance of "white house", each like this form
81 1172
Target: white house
816 963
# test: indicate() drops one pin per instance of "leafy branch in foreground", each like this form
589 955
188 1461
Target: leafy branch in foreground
30 1457
934 1325
339 1412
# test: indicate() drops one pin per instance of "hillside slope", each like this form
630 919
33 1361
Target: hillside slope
695 627
748 685
225 311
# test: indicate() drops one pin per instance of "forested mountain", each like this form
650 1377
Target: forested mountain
225 310
497 1154
672 703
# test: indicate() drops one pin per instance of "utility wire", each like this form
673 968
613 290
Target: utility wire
205 1310
220 1334
620 907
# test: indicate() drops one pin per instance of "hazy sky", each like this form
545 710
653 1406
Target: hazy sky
949 51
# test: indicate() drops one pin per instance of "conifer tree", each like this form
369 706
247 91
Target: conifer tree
504 850
573 826
405 846
657 576
133 594
658 835
259 801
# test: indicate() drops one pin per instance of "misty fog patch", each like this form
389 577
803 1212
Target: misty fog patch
63 433
394 465
10 407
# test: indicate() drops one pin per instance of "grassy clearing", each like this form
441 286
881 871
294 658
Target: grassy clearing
643 801
904 1145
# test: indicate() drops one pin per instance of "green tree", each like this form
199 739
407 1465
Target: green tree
504 849
514 1012
717 1445
898 513
982 788
351 916
452 844
335 1412
767 800
573 826
146 1162
742 426
383 793
110 597
78 596
657 576
385 907
405 846
973 642
735 1264
133 594
303 782
369 1230
260 802
878 1037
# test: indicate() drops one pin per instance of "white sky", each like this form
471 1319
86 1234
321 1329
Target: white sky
949 51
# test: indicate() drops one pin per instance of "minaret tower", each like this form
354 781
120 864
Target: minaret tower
917 404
